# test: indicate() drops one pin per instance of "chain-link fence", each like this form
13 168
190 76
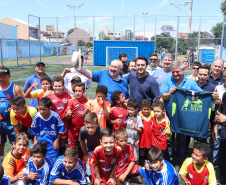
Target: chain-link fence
55 38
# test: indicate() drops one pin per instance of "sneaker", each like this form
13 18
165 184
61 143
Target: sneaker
177 168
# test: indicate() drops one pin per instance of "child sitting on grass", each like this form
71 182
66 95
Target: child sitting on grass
157 170
15 161
197 169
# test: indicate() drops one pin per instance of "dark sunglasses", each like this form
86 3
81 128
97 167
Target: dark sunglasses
195 68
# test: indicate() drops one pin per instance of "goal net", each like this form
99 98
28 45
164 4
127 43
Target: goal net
112 53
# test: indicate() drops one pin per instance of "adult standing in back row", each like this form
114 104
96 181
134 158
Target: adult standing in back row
161 73
39 73
142 85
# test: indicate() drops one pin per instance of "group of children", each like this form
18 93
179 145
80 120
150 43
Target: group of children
113 144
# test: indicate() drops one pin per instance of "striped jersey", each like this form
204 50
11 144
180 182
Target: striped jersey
167 176
59 171
43 172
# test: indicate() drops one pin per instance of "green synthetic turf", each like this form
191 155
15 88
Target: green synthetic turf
52 70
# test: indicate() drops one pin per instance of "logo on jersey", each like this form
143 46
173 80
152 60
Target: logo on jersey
190 175
64 100
113 161
126 156
102 161
106 168
77 105
192 106
54 101
53 126
120 116
205 179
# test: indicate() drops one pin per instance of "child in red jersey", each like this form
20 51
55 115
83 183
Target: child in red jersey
126 168
74 112
104 160
146 136
161 128
197 169
99 105
60 101
118 113
20 112
39 93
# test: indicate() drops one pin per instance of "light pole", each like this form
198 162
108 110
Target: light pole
74 8
179 6
144 13
190 19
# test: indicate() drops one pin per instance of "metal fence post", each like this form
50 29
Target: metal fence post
199 38
222 37
16 54
29 46
113 27
177 38
74 32
94 28
155 28
1 52
134 37
40 51
57 36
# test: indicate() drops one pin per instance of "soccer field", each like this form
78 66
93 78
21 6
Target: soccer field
19 76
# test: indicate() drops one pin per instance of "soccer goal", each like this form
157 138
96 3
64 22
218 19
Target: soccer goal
112 53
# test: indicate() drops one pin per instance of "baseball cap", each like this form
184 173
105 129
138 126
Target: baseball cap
4 70
39 62
77 78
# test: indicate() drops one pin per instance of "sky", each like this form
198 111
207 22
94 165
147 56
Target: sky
123 10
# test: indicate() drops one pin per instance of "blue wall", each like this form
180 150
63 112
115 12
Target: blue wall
8 31
145 48
47 49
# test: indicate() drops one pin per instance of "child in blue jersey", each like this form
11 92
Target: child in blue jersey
157 170
4 179
47 126
68 169
38 167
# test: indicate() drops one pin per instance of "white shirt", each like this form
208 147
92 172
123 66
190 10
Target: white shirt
221 89
69 76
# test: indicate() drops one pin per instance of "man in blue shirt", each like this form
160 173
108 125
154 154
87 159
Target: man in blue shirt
112 78
39 72
142 85
170 83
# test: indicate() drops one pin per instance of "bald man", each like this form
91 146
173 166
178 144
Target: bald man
216 76
110 78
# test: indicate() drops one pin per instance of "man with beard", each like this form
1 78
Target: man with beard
112 78
142 85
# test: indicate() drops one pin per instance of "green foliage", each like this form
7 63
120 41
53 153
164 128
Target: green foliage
106 38
223 7
81 43
217 32
167 43
89 44
182 46
70 31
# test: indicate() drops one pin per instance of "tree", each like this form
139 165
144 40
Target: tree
70 31
217 32
81 43
106 38
223 7
89 44
166 43
182 46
